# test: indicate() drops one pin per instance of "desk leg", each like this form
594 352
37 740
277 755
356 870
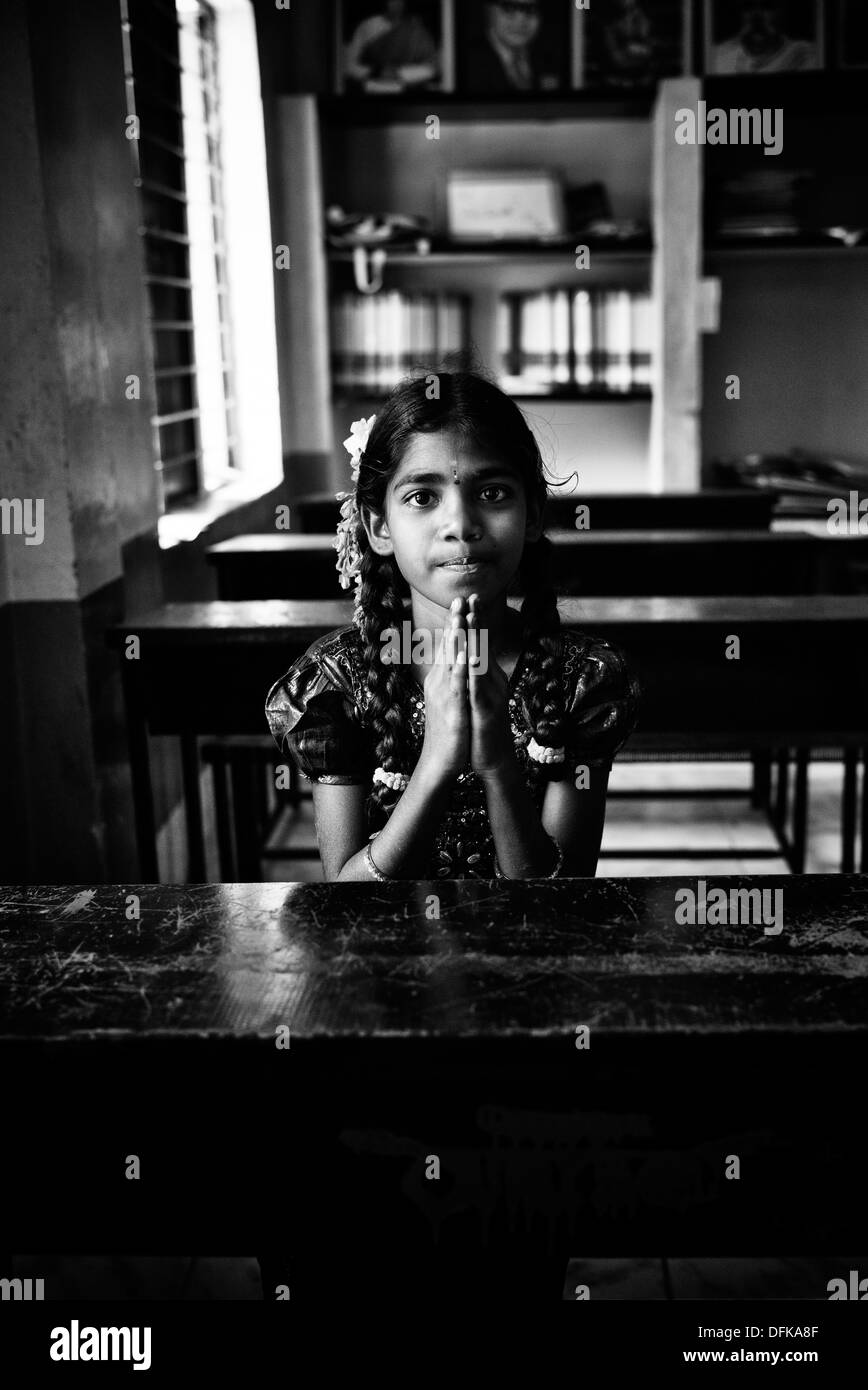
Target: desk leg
224 820
848 811
761 779
246 831
863 864
140 771
800 811
193 809
782 790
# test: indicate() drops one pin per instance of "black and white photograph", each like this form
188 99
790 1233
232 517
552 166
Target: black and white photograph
393 47
511 46
631 44
433 632
753 36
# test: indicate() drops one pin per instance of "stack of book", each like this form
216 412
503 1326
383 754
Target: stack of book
377 339
568 341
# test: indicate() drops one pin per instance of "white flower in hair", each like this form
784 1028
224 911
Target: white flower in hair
346 543
357 441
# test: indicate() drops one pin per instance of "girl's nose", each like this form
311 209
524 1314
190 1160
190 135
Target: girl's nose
461 518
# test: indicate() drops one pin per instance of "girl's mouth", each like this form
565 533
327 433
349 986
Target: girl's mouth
464 566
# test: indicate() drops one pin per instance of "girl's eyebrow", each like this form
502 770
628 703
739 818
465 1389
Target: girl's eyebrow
495 471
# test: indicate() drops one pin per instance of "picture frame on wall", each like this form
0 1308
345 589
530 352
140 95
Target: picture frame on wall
394 47
748 38
630 45
512 47
852 28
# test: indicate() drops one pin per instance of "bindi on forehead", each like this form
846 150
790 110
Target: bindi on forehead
433 460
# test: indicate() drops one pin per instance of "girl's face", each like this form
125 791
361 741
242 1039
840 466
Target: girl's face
453 538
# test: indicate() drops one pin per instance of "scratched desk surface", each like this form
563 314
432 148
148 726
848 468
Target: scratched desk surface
502 960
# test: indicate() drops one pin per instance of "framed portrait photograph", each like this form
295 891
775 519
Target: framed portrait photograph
505 47
852 17
395 46
631 44
755 36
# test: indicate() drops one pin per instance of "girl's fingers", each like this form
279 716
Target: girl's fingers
473 648
445 645
453 642
458 676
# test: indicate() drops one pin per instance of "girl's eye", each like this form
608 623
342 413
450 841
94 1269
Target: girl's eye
501 492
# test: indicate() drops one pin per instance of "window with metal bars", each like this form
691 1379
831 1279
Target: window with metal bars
170 58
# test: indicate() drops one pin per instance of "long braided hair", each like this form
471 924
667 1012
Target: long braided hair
471 407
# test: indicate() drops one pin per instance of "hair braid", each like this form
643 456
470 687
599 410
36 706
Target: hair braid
541 632
381 608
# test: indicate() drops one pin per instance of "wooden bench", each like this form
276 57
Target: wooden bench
800 683
671 563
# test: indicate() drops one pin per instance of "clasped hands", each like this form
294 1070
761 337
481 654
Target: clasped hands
466 700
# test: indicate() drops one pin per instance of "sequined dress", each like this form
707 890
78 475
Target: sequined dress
318 715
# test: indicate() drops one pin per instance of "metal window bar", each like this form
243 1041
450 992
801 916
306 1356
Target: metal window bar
207 124
146 96
181 473
162 190
163 234
171 280
168 373
175 418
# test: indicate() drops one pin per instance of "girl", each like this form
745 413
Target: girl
487 754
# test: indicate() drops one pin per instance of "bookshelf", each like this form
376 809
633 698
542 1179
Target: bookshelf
372 156
790 321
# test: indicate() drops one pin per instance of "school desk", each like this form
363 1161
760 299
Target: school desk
582 1059
636 562
799 683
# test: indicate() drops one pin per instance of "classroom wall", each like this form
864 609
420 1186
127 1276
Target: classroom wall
73 315
794 327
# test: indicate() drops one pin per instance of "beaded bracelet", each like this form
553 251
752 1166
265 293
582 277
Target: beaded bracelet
498 873
377 873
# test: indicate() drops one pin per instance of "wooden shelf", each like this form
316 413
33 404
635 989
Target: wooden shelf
593 395
636 250
444 253
349 109
790 245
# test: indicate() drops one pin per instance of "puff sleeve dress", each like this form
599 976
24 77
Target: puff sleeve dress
317 713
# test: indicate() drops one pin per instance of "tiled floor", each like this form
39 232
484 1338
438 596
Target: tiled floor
652 820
